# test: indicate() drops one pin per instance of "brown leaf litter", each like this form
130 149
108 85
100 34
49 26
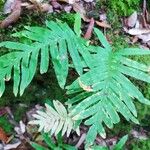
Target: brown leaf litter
14 16
138 26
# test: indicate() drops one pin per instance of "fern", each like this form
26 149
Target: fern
102 91
54 120
55 42
105 91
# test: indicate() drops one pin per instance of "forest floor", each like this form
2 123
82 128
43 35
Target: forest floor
119 28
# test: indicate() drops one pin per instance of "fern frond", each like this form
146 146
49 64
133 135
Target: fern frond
55 42
103 88
54 120
111 92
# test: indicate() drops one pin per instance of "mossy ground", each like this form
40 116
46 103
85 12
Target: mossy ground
4 123
140 144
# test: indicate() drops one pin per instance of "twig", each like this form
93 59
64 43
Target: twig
81 140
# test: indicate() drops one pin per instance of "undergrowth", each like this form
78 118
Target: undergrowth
102 90
140 144
120 7
8 128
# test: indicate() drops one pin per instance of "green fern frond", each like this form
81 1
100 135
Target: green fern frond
54 120
55 42
104 91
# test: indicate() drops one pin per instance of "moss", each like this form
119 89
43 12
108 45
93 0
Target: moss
33 19
63 16
120 129
19 113
117 38
140 145
1 5
5 124
123 7
119 7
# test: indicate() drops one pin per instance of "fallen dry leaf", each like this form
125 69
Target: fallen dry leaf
13 17
55 4
36 1
144 47
80 9
138 25
12 146
143 21
89 31
134 39
103 24
3 111
24 145
68 1
45 7
68 8
131 20
147 16
144 37
103 17
139 134
81 140
9 112
36 5
8 6
21 128
138 31
3 136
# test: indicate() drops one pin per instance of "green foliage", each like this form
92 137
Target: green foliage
19 113
77 24
121 143
69 18
56 39
106 91
123 127
140 144
143 112
1 5
60 145
51 145
124 7
102 90
118 146
5 124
